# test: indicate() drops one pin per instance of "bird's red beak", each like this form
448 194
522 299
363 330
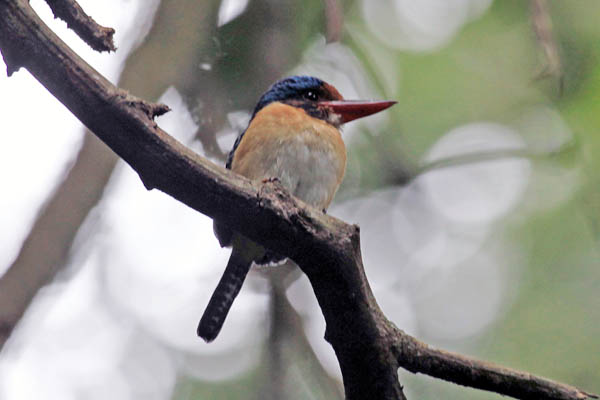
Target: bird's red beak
350 110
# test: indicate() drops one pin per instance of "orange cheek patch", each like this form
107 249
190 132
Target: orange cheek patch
335 95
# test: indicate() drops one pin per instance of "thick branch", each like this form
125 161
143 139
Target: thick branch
369 347
96 36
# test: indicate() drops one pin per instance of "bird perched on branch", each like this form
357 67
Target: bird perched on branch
294 136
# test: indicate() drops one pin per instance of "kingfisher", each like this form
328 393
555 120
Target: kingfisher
294 136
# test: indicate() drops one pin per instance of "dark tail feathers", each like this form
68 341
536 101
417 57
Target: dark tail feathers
222 298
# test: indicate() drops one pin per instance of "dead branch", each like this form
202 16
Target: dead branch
541 23
96 36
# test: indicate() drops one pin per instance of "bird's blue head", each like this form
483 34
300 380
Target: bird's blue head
303 91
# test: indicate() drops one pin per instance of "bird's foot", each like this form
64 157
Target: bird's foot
273 179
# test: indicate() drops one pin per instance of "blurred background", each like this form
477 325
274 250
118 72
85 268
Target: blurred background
478 198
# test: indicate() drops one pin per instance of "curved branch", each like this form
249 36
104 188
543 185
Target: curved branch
418 357
96 36
369 347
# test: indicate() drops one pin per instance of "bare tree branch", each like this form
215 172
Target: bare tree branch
288 344
96 36
45 250
491 155
334 20
542 26
418 357
368 346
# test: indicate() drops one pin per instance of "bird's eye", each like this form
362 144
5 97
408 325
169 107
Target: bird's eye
311 95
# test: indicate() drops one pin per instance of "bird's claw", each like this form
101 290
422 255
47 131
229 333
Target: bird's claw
272 179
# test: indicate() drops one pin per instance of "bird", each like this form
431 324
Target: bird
294 135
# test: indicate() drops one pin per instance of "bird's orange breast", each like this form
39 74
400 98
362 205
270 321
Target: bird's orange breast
307 154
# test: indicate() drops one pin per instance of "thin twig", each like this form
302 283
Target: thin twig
418 357
542 26
98 37
334 20
471 158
